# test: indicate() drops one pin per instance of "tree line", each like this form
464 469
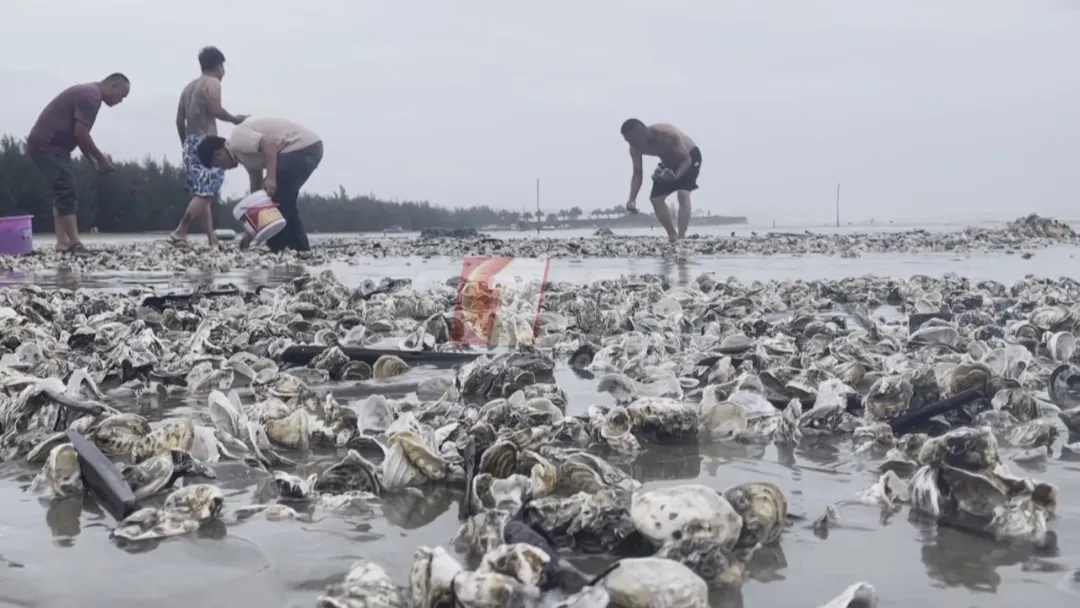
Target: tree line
150 196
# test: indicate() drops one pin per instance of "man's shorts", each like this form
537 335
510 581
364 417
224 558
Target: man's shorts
201 181
59 171
687 182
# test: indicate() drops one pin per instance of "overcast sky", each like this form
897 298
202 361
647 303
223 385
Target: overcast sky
943 109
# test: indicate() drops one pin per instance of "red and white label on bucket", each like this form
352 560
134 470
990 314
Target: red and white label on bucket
266 216
499 301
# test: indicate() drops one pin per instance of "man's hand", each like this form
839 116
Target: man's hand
103 165
239 118
631 207
270 185
663 174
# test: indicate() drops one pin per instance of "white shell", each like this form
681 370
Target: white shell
649 582
660 514
432 572
520 561
860 594
365 584
375 414
721 421
1062 346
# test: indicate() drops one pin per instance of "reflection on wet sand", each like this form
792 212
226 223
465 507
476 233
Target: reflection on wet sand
62 517
720 454
675 271
1070 584
767 564
414 508
955 558
669 463
163 282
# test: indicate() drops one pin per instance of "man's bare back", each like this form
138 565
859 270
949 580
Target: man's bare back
197 108
668 143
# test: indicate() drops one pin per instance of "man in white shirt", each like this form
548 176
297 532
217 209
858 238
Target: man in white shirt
279 156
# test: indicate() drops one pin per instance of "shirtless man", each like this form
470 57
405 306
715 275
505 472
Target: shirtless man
196 118
65 124
680 162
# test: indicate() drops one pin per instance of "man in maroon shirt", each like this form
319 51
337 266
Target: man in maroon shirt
64 124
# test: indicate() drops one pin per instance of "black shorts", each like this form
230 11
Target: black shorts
59 172
687 182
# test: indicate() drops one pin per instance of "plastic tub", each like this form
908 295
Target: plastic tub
259 216
16 235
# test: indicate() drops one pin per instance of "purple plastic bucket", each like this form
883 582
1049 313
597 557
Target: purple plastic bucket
16 235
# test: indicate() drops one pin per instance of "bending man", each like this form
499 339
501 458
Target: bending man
64 124
680 162
279 156
196 117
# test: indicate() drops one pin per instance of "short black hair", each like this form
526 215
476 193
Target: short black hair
630 124
210 58
116 77
207 148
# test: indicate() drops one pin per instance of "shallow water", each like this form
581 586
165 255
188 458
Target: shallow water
60 554
1053 262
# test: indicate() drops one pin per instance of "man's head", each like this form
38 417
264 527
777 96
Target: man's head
114 88
212 61
634 132
212 153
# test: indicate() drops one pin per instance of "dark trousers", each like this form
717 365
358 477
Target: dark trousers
293 170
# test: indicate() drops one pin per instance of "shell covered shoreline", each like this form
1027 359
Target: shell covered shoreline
1021 236
786 364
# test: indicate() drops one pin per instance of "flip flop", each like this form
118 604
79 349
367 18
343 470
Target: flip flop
80 250
176 241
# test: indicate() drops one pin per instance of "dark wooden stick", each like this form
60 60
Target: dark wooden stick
908 420
102 478
158 301
302 354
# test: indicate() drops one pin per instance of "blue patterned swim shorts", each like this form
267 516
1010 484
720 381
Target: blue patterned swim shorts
201 181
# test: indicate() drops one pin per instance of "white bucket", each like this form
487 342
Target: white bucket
259 216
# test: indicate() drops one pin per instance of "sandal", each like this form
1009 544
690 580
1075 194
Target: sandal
80 250
176 241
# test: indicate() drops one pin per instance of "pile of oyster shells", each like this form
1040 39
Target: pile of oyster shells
778 363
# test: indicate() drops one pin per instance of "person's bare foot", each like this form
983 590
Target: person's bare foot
213 243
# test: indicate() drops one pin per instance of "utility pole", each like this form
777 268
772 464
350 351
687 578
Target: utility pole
837 204
538 215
